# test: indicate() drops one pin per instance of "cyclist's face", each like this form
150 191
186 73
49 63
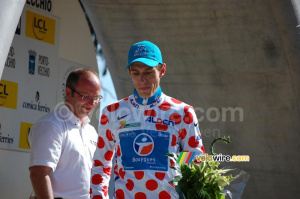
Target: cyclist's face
145 79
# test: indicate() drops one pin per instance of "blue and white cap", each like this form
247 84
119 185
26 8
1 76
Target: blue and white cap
145 52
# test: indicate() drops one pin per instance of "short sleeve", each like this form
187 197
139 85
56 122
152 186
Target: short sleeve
46 144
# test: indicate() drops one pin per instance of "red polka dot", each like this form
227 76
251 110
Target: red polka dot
164 195
160 175
107 170
175 117
91 191
174 139
126 98
104 119
161 127
105 190
98 163
109 135
197 162
171 185
150 113
193 143
202 149
122 173
97 197
188 118
151 185
116 170
186 108
129 185
165 106
119 151
113 107
176 101
138 174
108 155
120 194
140 195
100 143
182 133
172 163
97 179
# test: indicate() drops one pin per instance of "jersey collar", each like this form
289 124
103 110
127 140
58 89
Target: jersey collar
154 99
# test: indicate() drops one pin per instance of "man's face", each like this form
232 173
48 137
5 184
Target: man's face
145 79
88 85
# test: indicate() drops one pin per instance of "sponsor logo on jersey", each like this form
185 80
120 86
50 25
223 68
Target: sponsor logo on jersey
159 121
130 125
144 149
123 116
198 138
143 144
134 103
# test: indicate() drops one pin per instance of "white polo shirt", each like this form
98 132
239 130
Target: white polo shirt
58 141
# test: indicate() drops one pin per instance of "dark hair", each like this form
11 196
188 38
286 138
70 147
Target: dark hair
74 76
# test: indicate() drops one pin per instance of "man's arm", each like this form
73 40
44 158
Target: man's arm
41 182
191 139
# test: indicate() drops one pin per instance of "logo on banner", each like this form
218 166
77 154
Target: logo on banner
37 105
8 94
43 5
40 27
43 62
5 138
66 74
24 134
43 68
31 67
10 60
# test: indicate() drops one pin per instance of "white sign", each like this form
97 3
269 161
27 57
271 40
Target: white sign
28 87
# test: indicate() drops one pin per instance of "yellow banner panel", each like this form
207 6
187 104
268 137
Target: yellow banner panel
24 133
40 27
8 94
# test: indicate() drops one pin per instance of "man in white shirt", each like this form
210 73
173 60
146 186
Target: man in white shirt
63 142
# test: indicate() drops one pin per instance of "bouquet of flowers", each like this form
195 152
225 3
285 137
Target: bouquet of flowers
207 181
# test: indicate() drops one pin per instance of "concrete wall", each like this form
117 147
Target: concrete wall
221 54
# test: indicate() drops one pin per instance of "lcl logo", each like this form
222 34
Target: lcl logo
40 27
3 89
40 24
